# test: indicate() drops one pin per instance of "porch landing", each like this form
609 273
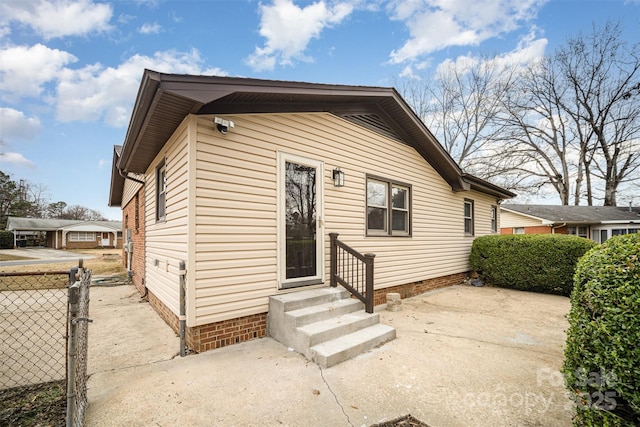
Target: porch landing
325 325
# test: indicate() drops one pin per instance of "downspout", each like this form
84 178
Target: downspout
183 311
553 228
125 175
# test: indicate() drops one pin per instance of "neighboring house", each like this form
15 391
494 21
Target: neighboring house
595 222
243 180
65 233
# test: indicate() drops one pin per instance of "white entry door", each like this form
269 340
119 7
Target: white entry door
105 239
300 231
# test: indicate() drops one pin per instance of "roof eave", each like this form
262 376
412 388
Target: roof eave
117 180
479 184
159 93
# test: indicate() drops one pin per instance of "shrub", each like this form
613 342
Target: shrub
602 356
529 262
6 239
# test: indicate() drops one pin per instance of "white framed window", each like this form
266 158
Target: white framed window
468 217
518 230
388 208
161 191
494 219
82 236
580 231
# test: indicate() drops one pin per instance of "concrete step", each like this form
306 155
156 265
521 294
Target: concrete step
319 332
320 312
332 352
302 299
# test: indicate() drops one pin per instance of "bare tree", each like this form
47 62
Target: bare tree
56 209
539 138
461 104
603 74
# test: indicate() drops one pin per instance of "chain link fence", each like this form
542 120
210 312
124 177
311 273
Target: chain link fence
33 327
43 347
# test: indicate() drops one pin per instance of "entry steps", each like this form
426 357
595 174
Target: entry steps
326 325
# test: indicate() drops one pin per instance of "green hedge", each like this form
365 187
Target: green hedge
530 262
6 239
602 356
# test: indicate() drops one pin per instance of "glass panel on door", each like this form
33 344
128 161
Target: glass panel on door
300 220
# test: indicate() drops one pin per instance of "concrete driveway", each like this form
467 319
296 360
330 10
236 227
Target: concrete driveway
463 356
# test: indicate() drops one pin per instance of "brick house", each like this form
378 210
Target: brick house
232 189
595 222
65 233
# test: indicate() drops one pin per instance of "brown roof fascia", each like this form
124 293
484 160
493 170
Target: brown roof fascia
117 180
479 184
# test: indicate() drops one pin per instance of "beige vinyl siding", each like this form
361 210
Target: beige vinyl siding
166 241
236 212
130 189
511 220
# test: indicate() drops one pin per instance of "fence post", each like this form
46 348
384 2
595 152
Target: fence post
368 261
333 259
74 302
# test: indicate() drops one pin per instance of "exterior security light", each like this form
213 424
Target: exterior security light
223 125
338 178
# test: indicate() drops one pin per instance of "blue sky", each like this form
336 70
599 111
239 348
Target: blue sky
70 70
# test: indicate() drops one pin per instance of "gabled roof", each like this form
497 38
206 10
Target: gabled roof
164 100
117 180
40 224
552 214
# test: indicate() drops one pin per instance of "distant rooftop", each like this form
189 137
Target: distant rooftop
577 214
40 224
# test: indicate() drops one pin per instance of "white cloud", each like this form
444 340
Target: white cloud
24 70
58 18
150 28
437 24
125 18
529 49
96 92
288 29
16 159
15 125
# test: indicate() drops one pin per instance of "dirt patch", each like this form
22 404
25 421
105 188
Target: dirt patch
9 257
406 421
34 405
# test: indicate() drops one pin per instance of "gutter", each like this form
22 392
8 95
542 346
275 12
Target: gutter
553 227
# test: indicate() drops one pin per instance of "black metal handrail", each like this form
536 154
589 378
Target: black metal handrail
352 270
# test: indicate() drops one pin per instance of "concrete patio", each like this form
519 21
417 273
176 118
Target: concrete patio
463 356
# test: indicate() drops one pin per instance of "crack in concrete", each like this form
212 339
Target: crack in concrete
497 344
334 396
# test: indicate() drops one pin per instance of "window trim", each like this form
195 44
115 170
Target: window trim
74 236
494 219
575 230
389 184
472 217
161 214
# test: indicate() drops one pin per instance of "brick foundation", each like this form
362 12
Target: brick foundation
226 332
220 334
417 288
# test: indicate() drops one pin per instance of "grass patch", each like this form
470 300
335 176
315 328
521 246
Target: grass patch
34 405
